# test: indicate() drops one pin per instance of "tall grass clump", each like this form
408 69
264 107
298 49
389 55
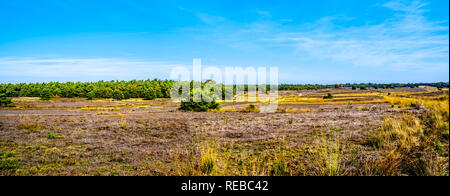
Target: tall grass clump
208 160
279 163
327 157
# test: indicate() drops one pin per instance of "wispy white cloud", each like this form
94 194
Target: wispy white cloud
264 14
83 69
210 19
413 7
407 40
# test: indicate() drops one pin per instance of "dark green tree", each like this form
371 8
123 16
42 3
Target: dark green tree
46 94
90 95
117 95
149 94
104 92
5 101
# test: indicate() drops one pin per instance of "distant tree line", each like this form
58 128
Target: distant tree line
362 86
146 89
151 89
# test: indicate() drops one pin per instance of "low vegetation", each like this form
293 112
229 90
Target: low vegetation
30 127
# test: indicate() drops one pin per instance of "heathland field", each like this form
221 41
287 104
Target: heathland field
402 131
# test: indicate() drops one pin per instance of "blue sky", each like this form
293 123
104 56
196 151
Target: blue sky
329 41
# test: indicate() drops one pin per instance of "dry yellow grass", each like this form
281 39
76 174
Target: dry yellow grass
332 102
228 109
208 159
293 110
406 131
104 108
411 144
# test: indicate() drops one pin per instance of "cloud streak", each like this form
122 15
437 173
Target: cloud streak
406 41
87 69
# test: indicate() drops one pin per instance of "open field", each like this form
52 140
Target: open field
401 131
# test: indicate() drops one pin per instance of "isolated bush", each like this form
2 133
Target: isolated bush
46 94
208 102
329 96
51 135
199 106
353 87
363 88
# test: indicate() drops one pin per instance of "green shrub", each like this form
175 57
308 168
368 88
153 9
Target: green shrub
199 106
51 135
208 102
329 96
